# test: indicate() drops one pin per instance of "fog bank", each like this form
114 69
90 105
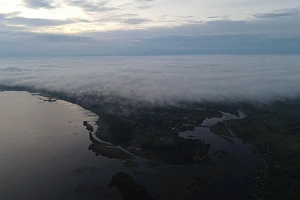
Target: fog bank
161 79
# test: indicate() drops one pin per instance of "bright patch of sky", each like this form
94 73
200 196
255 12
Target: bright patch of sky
99 15
121 27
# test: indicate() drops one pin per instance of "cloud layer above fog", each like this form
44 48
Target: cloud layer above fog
52 28
138 27
162 79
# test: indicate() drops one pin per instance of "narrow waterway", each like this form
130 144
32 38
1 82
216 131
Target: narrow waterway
45 154
240 162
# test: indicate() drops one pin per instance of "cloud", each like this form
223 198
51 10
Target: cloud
62 38
279 13
12 19
276 28
161 79
45 39
135 20
142 1
48 4
143 4
128 19
28 44
92 6
36 22
273 36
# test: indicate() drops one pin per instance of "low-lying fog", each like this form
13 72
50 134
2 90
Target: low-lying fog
162 79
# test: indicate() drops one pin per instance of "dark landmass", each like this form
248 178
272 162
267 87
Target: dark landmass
130 163
221 129
180 151
89 127
177 187
271 130
107 150
129 188
152 129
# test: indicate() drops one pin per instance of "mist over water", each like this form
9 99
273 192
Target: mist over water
161 79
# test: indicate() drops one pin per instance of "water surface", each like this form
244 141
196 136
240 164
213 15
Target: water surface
44 149
240 170
45 154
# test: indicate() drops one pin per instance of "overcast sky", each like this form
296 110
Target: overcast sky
142 27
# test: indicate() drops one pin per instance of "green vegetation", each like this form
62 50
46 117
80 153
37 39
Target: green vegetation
180 151
149 124
155 132
273 132
109 151
221 130
114 129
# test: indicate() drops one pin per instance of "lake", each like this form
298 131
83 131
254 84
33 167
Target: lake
44 150
46 153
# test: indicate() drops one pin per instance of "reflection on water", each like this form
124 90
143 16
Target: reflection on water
226 116
47 153
42 146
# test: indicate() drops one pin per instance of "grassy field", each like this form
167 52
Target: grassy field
273 131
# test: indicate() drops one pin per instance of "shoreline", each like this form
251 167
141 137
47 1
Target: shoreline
232 125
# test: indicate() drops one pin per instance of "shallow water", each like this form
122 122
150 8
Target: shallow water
44 149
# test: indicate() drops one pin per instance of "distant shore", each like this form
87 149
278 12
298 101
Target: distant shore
270 129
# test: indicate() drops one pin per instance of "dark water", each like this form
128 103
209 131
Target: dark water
235 184
44 154
44 150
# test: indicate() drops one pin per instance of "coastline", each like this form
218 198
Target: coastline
233 125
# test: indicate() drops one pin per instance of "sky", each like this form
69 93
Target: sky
148 27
